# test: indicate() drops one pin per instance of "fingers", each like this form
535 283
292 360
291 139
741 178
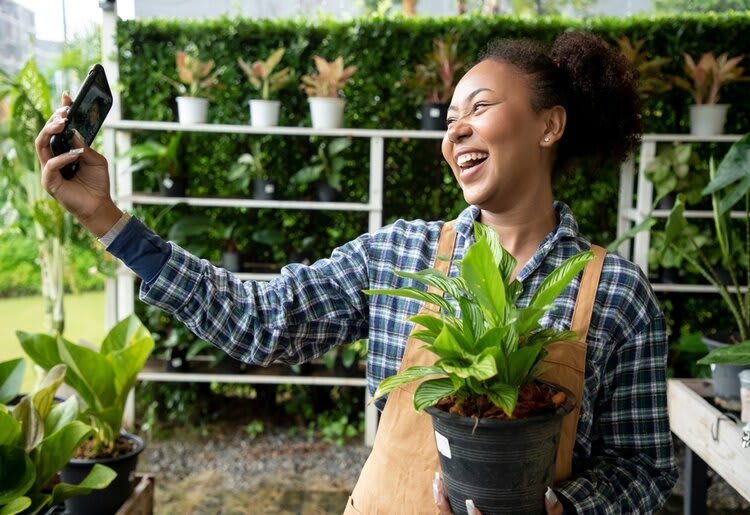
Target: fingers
54 125
51 176
551 503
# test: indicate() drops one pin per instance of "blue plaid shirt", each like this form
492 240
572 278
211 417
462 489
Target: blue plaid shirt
623 459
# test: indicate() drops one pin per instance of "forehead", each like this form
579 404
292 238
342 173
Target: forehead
498 77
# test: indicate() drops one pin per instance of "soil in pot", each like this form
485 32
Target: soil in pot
504 465
123 461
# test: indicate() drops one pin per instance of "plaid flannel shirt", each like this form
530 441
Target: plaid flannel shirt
623 460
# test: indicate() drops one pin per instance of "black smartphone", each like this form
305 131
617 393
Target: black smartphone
86 115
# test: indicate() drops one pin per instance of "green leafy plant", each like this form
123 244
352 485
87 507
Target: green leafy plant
708 75
674 170
195 77
435 79
493 348
730 184
155 156
102 379
249 166
330 78
651 79
327 164
263 78
37 438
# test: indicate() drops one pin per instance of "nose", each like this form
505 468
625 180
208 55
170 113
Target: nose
458 131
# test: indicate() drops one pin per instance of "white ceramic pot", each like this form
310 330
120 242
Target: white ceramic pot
192 109
264 113
707 119
327 113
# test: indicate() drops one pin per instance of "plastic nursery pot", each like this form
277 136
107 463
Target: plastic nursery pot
504 466
263 189
327 113
264 113
192 110
171 186
433 117
708 119
726 379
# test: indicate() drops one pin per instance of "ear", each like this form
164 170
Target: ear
554 126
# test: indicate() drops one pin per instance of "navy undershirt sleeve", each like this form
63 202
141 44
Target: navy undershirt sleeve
141 250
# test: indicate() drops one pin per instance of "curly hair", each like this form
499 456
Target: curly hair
595 85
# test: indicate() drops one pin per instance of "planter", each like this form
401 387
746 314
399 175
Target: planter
512 460
726 379
433 117
192 110
325 192
264 113
326 113
230 260
172 186
263 189
707 119
109 500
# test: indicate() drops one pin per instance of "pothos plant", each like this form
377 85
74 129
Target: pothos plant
488 348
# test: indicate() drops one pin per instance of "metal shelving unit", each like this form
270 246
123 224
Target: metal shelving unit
629 215
120 293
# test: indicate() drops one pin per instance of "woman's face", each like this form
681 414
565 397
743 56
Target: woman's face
493 142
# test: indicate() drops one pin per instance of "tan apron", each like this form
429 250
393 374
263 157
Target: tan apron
398 474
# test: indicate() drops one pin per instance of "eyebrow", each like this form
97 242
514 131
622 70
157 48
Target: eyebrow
471 96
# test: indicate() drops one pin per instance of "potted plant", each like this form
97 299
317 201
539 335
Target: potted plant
728 186
38 438
166 160
673 171
435 79
230 255
264 112
651 79
250 169
324 170
194 79
705 79
103 380
488 361
323 89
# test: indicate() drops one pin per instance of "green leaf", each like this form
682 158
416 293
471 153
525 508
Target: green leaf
11 378
481 367
484 282
504 397
10 428
407 376
431 391
414 293
44 394
447 345
472 323
89 373
732 175
41 348
100 477
521 363
17 505
430 323
435 278
17 473
736 354
338 145
425 336
61 414
553 285
32 426
58 448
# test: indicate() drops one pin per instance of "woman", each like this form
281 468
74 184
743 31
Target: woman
518 117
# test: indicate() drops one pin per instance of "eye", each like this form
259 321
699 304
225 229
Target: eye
450 121
479 105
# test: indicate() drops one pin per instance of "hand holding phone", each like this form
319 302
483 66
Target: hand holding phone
86 115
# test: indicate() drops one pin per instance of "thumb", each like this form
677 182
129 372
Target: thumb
551 503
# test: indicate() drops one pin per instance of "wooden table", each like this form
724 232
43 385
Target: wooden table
712 438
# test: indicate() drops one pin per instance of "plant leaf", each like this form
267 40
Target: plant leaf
484 282
407 376
431 391
17 473
32 427
732 170
504 396
435 278
17 505
99 477
737 354
60 415
11 378
414 293
10 428
57 449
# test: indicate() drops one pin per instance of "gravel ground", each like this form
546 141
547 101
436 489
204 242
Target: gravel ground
277 473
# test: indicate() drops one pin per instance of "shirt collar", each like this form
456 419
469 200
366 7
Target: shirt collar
567 228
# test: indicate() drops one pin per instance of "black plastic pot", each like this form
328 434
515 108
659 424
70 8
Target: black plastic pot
108 500
433 117
325 192
504 466
171 186
263 189
177 360
725 378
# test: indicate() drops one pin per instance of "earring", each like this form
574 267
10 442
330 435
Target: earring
546 139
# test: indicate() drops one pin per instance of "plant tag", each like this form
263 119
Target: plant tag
442 444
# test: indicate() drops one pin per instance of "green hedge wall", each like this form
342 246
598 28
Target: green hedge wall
417 182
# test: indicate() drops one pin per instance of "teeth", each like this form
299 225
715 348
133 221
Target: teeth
471 156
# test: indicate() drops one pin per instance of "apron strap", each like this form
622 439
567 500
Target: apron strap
587 293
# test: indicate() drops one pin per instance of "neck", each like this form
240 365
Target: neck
522 230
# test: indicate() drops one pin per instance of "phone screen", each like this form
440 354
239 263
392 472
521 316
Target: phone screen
89 115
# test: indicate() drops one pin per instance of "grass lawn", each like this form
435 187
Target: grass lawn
84 319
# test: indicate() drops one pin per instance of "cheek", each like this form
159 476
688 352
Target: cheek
447 148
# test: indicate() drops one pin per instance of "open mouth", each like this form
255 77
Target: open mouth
470 160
